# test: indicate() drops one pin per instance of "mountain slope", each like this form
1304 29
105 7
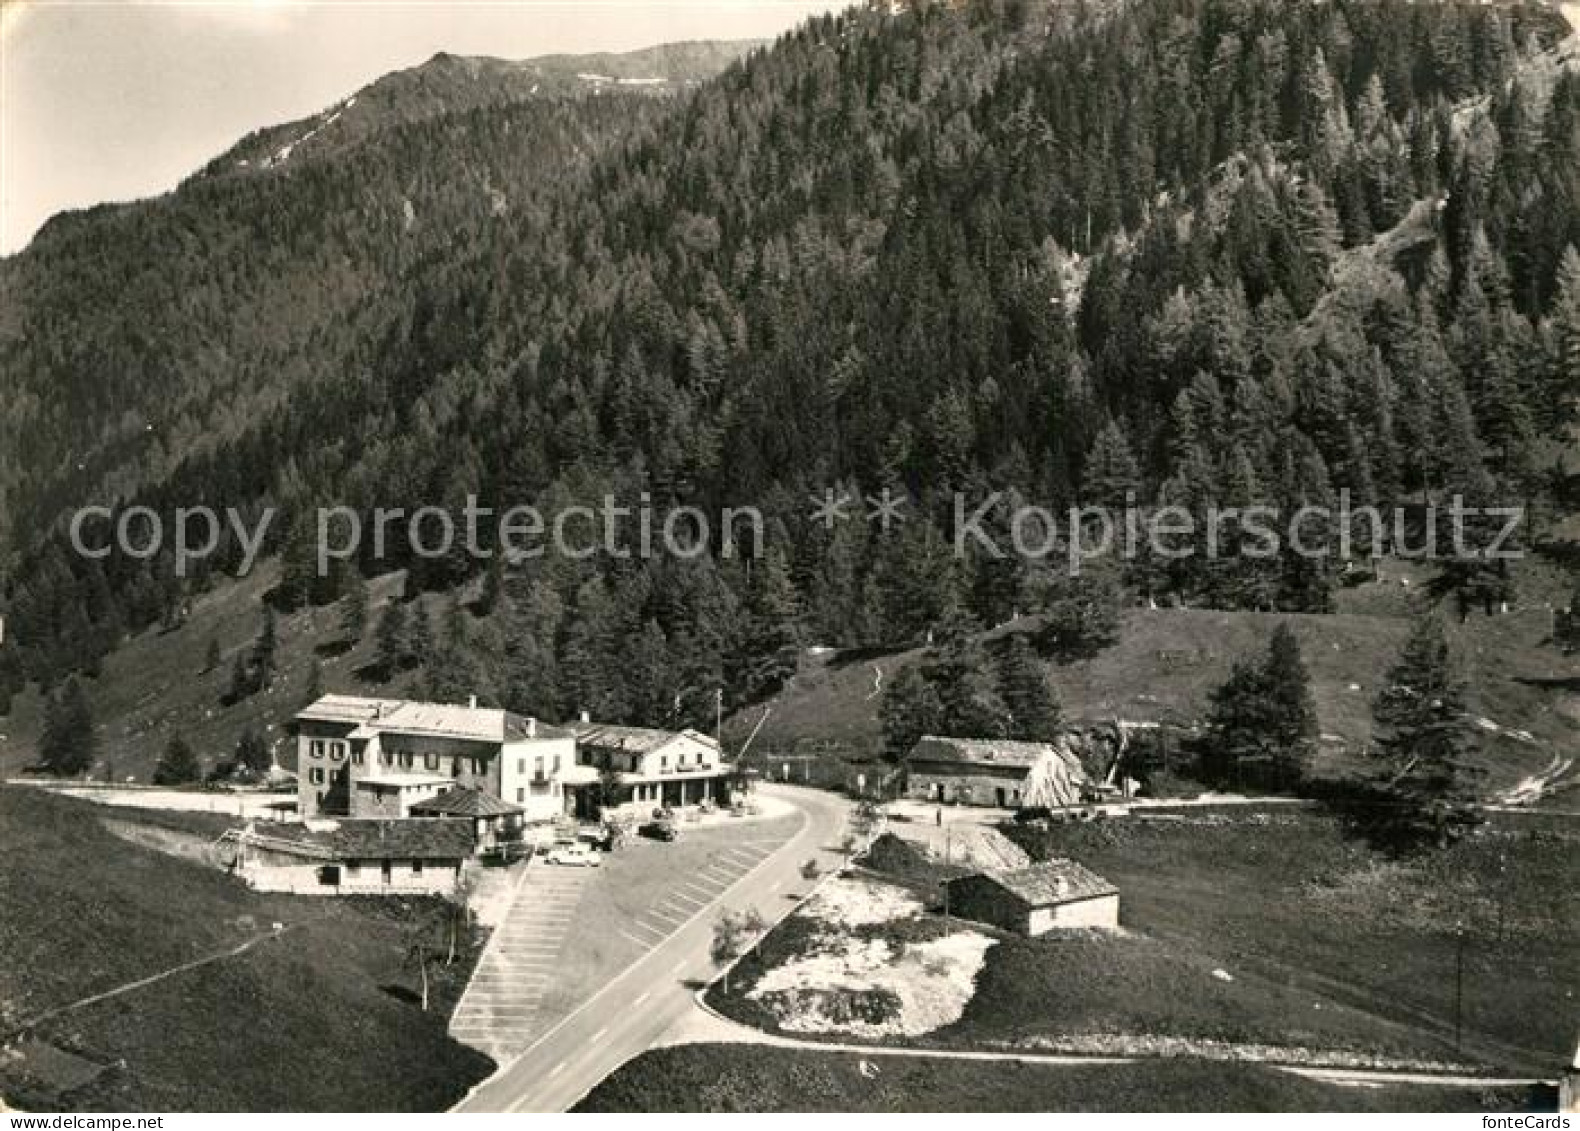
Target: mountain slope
940 252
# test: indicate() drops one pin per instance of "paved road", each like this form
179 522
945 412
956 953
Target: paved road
631 1013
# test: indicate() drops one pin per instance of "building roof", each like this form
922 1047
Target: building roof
635 740
438 720
465 801
367 839
1051 883
982 751
345 709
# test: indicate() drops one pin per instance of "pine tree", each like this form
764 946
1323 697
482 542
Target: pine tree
1110 476
1424 741
1567 624
392 643
252 752
1023 685
264 649
354 607
1262 721
1292 711
909 710
775 634
421 640
69 743
313 690
958 670
178 765
1566 329
241 683
1237 725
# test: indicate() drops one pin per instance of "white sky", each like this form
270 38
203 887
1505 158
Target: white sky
118 99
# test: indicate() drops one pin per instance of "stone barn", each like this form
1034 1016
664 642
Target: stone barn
997 772
1032 901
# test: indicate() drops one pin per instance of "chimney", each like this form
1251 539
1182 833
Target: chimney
532 727
585 718
471 702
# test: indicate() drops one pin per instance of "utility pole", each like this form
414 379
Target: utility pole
1459 985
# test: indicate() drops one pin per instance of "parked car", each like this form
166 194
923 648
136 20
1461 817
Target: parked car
660 830
574 856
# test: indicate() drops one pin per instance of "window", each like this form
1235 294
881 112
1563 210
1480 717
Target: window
521 795
537 768
316 749
358 757
416 867
384 871
316 775
337 751
556 763
431 759
353 869
405 759
663 762
521 766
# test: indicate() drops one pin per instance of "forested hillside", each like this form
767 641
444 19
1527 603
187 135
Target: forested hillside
1205 251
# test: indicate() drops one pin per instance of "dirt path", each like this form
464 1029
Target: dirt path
704 1025
128 987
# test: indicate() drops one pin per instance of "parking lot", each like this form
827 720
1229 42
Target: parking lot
571 930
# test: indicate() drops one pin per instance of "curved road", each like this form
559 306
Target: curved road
632 1012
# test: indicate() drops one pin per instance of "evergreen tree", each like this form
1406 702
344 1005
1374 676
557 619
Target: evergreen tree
1111 475
1293 711
313 690
392 643
1262 721
1424 741
958 670
354 607
264 650
1566 330
1080 613
1023 685
252 752
69 744
908 710
178 765
212 656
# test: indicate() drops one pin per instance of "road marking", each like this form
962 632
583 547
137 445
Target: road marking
645 995
672 920
689 886
776 885
507 1065
643 943
557 1069
691 899
678 967
599 1035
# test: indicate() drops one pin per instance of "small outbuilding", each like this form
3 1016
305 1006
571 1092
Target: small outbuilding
496 822
1032 901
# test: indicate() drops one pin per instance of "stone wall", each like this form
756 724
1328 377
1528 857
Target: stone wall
969 785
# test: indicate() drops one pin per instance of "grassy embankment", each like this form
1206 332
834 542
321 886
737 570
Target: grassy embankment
760 1079
321 1018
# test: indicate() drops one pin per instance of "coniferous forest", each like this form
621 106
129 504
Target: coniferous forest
1197 252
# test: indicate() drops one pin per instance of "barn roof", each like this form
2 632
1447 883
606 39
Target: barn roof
982 751
367 839
1052 882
